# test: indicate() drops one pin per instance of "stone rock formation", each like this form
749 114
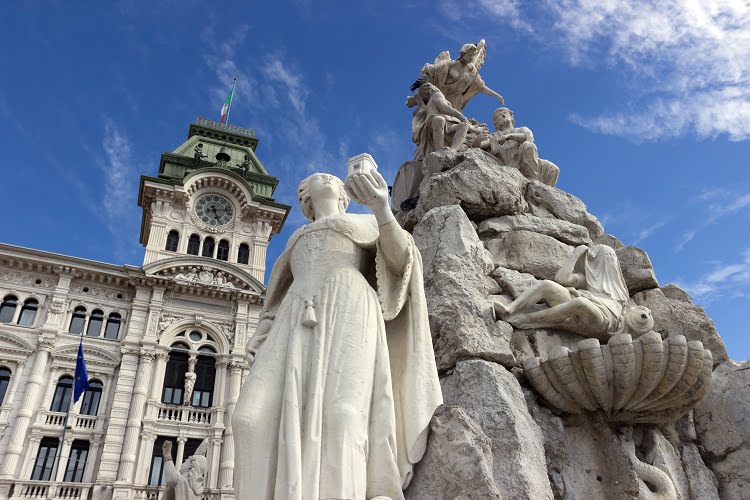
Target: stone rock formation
545 413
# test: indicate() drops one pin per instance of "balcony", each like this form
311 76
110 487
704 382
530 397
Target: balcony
55 420
186 414
48 490
157 493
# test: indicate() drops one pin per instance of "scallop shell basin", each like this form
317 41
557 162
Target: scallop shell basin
646 380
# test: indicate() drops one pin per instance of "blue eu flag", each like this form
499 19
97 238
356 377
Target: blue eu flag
82 376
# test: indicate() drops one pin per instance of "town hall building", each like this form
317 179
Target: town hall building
164 342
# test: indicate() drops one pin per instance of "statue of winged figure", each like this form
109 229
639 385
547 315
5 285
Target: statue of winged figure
458 79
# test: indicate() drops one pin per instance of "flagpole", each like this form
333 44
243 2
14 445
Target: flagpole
230 100
58 456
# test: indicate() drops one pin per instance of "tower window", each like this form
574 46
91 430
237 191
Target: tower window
45 459
194 244
63 392
222 253
95 323
91 398
77 320
173 240
208 247
28 312
112 330
5 374
8 308
243 254
79 452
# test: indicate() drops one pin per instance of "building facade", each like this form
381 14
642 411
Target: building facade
164 343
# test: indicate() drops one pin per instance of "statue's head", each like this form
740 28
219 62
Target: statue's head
503 118
319 186
638 320
468 51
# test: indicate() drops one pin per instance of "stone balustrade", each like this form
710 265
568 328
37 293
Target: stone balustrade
49 490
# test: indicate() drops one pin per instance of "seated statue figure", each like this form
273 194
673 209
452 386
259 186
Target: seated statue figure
188 482
514 146
343 382
436 124
592 302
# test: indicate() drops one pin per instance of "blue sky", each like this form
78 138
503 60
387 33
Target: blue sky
644 106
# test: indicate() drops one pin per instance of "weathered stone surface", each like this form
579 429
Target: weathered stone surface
493 397
636 269
533 253
512 281
476 182
702 483
676 317
660 453
609 240
455 268
722 422
675 292
561 230
549 200
458 461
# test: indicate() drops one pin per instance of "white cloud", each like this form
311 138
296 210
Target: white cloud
723 280
717 204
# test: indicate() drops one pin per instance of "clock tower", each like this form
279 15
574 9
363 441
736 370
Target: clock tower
212 199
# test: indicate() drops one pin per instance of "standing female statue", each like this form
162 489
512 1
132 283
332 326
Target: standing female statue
343 384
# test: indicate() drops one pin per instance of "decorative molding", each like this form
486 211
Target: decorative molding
207 276
81 288
27 279
211 229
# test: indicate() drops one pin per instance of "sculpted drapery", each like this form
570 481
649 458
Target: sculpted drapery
338 401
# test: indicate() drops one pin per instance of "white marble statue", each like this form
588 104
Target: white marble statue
343 383
514 146
458 79
190 378
188 482
588 297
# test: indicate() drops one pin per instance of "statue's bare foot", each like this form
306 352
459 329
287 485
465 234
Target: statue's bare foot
501 310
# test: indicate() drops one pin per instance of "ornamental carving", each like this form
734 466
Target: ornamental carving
27 279
211 229
203 276
101 292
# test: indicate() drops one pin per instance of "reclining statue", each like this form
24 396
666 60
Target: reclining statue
436 124
514 146
588 297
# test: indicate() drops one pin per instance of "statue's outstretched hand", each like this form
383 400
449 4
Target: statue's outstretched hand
166 449
500 98
369 189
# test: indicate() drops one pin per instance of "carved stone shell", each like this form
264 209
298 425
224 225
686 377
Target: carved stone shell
647 380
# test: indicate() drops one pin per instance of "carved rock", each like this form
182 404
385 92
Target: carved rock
455 268
563 231
722 421
636 269
512 281
677 317
527 252
476 182
458 461
547 200
702 483
492 396
646 380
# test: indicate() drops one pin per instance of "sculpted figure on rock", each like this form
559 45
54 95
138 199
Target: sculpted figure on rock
188 482
588 297
343 383
514 146
458 79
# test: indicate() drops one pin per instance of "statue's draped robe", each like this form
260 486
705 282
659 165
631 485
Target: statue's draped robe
458 92
340 409
421 131
512 153
189 484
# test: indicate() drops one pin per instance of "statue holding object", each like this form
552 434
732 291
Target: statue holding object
458 79
588 297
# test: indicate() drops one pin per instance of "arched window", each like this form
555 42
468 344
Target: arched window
194 244
205 376
222 253
63 391
112 330
91 398
174 375
45 459
243 254
173 240
208 247
4 383
77 320
8 308
95 323
79 453
28 312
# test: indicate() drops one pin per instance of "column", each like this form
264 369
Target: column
148 437
180 451
10 396
88 476
25 412
227 450
64 457
32 445
137 406
214 452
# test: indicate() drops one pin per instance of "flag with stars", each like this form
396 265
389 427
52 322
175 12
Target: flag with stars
82 375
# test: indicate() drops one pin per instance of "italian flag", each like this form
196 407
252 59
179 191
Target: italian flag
227 104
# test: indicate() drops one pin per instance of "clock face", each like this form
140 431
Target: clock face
214 210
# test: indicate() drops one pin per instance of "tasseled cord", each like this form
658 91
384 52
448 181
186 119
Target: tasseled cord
309 320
